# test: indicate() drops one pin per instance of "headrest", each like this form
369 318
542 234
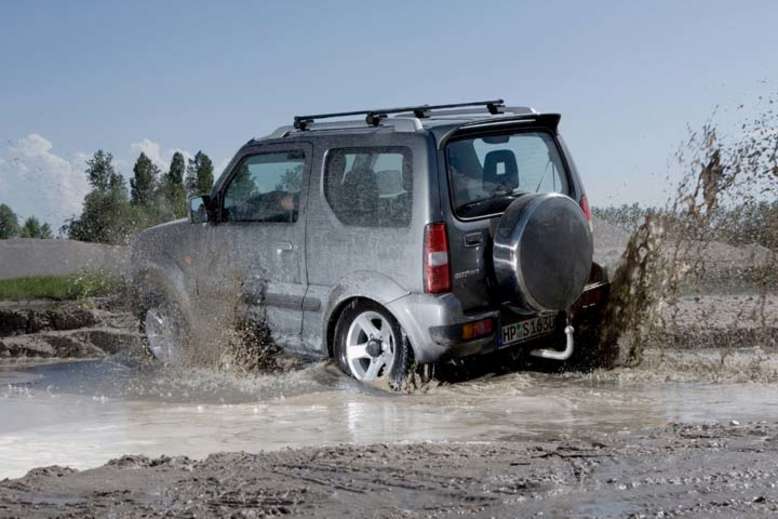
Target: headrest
500 169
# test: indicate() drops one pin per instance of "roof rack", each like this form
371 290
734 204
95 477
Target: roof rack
374 117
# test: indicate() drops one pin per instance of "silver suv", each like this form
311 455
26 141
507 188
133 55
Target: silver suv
398 238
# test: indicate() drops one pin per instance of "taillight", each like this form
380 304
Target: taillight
477 329
437 275
585 208
587 211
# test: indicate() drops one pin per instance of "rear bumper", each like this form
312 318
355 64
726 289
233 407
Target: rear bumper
435 325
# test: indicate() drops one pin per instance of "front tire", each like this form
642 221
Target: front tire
370 345
166 329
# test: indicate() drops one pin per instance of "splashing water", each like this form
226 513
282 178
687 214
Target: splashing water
717 234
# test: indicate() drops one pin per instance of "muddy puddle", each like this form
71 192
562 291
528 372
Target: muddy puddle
81 414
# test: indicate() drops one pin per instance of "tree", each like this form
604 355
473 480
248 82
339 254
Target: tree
46 233
32 228
106 215
100 172
9 223
199 174
175 174
172 187
143 183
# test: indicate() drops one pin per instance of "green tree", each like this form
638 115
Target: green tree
143 183
31 228
106 215
9 223
172 188
199 174
46 233
100 171
175 174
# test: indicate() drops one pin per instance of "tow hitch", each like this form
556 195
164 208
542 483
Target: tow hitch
556 354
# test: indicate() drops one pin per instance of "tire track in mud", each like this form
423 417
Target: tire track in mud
674 470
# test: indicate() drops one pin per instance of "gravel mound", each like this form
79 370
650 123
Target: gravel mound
610 240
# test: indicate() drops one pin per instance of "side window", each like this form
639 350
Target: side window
265 188
371 186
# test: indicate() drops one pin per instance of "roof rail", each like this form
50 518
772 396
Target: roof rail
399 124
374 117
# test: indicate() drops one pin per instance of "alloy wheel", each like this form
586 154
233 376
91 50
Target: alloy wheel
370 346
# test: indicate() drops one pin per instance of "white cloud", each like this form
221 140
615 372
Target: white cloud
154 151
221 166
36 181
150 148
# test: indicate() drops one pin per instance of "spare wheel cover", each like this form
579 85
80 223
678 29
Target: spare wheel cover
542 252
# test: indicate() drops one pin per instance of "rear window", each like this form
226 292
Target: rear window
370 186
487 173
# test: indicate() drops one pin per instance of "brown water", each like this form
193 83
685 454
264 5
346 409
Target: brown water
82 414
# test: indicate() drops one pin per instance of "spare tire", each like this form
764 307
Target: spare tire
542 252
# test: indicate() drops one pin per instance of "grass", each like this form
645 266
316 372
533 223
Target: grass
70 287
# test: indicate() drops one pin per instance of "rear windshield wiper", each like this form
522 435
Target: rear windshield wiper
472 207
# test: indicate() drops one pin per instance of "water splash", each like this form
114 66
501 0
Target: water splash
717 234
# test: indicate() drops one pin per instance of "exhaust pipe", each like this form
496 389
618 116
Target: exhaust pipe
556 354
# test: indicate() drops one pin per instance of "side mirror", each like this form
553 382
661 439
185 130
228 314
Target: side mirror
199 209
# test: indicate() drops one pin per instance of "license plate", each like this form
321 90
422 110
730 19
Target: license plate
523 331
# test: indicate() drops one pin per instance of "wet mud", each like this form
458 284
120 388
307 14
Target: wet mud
701 243
670 471
32 331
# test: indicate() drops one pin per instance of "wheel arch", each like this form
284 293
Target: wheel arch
332 321
153 281
361 286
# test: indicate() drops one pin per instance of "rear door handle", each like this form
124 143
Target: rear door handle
474 239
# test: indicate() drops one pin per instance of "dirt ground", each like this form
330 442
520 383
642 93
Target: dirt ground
90 328
673 471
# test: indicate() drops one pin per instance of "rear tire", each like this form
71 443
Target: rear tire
370 345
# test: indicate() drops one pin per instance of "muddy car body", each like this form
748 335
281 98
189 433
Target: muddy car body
408 236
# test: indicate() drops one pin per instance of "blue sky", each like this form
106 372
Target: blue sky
628 77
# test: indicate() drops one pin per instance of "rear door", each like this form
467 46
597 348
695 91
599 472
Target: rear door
485 172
